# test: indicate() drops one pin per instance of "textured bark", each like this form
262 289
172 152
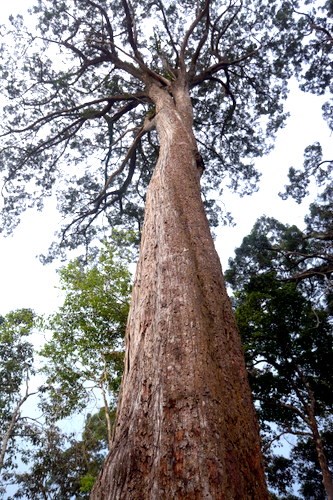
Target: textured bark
327 477
186 427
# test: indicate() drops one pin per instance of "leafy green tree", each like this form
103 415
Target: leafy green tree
16 369
286 327
85 352
61 466
133 83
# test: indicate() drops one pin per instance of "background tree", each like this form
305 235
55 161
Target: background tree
83 360
283 309
296 256
302 466
61 466
229 64
16 370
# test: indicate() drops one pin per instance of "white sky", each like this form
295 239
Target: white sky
25 282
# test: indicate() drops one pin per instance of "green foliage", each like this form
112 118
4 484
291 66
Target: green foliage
82 357
303 257
282 280
314 71
86 347
16 351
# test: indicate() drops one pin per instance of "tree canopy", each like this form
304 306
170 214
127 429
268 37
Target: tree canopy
314 70
79 118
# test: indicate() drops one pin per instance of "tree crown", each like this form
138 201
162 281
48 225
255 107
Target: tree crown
78 84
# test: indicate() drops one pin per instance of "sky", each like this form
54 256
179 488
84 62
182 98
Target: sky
25 282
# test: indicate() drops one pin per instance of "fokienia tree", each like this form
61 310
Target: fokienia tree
124 83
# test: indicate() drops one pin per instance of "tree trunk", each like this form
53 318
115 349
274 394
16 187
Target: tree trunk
318 442
186 426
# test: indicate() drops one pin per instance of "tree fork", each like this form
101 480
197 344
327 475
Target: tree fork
186 426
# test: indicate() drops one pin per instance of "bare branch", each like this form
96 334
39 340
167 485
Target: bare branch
130 153
166 25
130 24
201 14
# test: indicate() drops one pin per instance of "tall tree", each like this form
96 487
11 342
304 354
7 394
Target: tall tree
101 78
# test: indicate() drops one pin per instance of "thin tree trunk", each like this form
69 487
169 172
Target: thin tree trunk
107 418
186 427
327 477
11 429
318 442
9 433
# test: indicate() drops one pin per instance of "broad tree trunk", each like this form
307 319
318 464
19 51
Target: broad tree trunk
186 427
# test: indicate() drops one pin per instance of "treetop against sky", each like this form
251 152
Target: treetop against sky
79 118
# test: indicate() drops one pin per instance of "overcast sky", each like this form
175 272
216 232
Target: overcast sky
25 282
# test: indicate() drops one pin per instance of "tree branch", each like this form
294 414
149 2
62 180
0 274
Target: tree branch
108 26
136 98
130 154
215 68
12 424
166 25
201 14
200 45
130 24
